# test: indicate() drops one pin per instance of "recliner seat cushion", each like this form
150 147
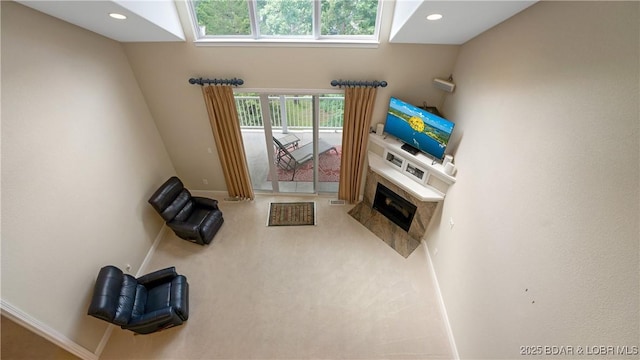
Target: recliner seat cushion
159 297
198 216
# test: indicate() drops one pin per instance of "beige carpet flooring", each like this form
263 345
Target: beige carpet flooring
331 291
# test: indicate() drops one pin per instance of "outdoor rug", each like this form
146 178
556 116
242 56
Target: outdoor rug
292 213
328 169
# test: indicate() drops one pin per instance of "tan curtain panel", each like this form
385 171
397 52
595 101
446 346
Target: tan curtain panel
358 111
223 117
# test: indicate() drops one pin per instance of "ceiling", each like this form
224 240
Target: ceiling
147 21
461 20
158 20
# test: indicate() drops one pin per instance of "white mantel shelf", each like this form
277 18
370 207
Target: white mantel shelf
421 191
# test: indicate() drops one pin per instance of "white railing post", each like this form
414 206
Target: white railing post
283 114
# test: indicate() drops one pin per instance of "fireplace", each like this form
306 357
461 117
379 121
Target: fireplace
394 207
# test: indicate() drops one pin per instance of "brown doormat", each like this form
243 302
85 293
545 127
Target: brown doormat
292 214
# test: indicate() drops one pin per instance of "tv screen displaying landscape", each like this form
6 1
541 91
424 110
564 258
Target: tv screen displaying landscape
419 128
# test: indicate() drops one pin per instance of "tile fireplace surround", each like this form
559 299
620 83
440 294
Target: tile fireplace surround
401 241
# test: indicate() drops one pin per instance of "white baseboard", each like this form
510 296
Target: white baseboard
104 340
213 194
44 330
443 308
152 250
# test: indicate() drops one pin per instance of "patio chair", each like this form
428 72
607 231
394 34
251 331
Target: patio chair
292 160
287 141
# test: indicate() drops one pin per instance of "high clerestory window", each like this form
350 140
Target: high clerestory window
287 20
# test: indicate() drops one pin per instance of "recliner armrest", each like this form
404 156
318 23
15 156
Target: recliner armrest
158 317
184 227
205 202
180 296
157 277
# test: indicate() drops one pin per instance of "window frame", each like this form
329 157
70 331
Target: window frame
316 39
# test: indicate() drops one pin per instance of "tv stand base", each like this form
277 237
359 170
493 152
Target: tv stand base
410 149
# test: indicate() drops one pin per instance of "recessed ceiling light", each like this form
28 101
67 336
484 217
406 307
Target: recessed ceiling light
434 17
117 16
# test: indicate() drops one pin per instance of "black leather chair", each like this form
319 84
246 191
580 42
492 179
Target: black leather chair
150 303
192 218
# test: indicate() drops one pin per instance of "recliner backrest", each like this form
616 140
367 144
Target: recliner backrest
170 200
113 296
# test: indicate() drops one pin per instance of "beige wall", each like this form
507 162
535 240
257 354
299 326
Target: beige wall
163 70
80 156
544 250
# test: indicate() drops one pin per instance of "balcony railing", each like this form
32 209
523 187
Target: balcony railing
291 112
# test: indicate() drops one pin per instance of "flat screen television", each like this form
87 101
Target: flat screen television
418 128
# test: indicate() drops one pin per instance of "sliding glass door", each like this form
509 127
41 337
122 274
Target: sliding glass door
330 120
292 140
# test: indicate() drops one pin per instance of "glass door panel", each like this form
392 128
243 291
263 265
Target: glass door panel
330 118
292 124
293 141
253 136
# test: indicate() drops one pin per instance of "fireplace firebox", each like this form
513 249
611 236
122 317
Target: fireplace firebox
394 207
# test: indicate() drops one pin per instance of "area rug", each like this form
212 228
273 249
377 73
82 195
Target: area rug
292 214
328 169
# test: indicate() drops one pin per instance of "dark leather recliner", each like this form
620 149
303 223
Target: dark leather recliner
150 303
193 218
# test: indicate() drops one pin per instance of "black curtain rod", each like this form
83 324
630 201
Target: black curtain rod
202 82
348 83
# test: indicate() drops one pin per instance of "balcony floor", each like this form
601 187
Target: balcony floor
257 158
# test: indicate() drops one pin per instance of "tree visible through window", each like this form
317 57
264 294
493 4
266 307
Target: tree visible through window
348 17
217 17
286 18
